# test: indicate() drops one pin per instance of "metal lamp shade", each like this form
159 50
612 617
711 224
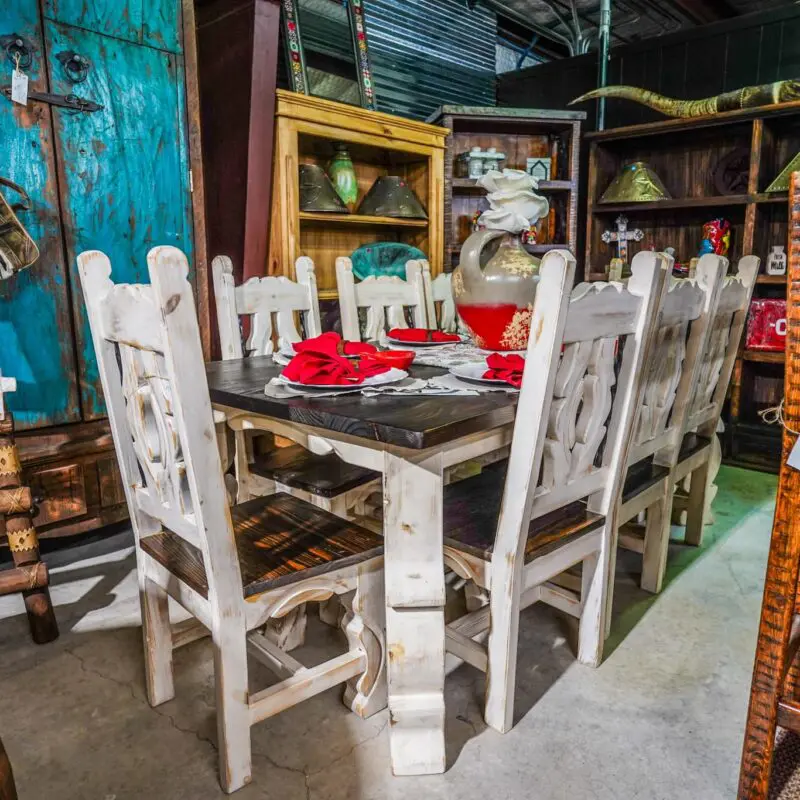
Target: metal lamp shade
391 196
637 183
317 192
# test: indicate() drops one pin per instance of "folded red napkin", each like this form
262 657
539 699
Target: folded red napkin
505 368
322 369
401 359
332 344
422 335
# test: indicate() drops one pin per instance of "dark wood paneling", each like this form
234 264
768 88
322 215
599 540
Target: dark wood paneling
693 63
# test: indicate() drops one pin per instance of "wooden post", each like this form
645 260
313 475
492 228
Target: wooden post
16 521
8 790
769 704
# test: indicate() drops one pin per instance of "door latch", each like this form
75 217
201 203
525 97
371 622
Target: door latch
70 101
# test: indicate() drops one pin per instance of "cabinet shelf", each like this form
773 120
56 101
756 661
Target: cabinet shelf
675 203
469 185
361 219
775 280
764 356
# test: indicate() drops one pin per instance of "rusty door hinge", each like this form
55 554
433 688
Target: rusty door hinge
70 101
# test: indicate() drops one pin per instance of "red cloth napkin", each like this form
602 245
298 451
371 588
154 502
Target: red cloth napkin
422 335
505 368
333 344
320 362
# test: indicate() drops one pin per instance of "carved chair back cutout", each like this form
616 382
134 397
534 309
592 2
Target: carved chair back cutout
719 355
260 299
441 305
151 366
682 328
572 398
384 298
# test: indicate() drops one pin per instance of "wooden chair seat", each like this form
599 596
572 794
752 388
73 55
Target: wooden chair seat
472 509
296 467
691 445
279 540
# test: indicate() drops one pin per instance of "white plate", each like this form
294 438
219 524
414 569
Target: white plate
288 351
392 376
412 345
474 372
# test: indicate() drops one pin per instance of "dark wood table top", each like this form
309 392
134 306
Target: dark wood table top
416 422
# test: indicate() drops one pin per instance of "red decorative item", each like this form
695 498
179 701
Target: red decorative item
399 359
421 335
333 344
716 237
322 361
505 368
766 325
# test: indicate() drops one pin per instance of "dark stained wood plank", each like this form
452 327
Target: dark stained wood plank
279 539
412 422
8 789
472 508
326 476
783 565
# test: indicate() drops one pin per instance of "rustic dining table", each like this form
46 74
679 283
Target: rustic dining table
411 440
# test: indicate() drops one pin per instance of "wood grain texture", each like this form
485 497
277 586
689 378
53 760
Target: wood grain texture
783 565
472 508
415 422
279 540
327 476
8 789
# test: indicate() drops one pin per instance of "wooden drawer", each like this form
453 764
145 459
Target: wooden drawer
59 492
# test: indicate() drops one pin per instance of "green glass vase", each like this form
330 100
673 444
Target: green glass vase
343 175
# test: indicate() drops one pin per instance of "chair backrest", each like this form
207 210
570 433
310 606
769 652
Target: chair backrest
150 360
385 298
441 296
719 356
683 325
567 408
260 298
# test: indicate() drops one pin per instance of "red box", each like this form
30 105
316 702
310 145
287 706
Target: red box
766 325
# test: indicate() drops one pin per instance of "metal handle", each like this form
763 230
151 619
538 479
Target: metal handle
16 47
76 67
21 205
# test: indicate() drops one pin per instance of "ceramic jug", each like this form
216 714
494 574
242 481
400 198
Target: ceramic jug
495 300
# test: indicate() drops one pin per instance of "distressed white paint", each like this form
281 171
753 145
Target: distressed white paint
163 428
385 299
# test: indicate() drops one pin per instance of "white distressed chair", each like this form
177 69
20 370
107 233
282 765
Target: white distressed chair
684 323
682 402
441 296
324 480
719 359
385 298
232 569
513 528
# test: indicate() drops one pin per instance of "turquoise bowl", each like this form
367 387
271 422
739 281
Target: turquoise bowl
383 258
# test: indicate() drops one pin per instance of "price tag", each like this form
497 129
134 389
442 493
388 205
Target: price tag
19 87
794 456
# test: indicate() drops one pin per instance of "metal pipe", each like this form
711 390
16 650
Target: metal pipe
605 45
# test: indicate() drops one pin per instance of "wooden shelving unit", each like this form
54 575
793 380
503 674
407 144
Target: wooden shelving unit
520 133
306 131
684 154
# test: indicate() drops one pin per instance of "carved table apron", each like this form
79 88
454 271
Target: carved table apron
411 441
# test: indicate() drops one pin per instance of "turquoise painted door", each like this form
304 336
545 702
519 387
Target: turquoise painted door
35 320
124 172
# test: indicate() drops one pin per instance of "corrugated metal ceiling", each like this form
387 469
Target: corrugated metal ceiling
631 19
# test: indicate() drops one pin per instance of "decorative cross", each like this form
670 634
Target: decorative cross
622 236
6 385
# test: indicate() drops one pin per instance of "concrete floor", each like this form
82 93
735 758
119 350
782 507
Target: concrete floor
662 718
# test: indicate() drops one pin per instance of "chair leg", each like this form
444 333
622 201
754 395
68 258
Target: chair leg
364 626
597 583
288 632
233 713
656 541
157 635
504 607
330 612
474 596
696 505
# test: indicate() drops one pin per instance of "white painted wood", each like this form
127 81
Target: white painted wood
563 416
466 649
188 631
442 295
7 385
272 656
163 427
385 299
415 599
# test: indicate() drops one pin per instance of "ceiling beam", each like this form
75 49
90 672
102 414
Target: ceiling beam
705 11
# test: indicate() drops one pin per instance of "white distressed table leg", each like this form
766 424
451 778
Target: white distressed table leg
415 596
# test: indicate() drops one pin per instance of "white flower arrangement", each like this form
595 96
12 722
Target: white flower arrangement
513 205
